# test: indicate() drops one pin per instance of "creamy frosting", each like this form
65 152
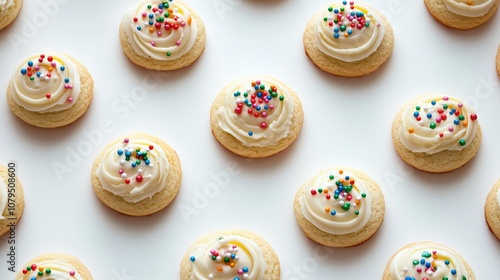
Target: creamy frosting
428 261
469 8
5 4
336 202
349 31
226 258
51 270
162 30
257 113
432 124
3 197
46 83
133 169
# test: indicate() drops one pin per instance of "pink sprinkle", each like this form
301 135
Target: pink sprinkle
125 140
37 68
167 27
53 64
264 114
378 24
460 105
178 43
72 273
144 14
70 99
257 82
40 59
153 43
352 2
240 271
271 106
159 33
450 128
438 120
120 171
445 98
66 86
183 24
71 86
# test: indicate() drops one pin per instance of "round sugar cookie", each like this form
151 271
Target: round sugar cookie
460 15
492 209
498 61
436 133
137 175
339 207
411 262
54 266
9 9
162 35
238 254
256 118
342 50
11 199
50 90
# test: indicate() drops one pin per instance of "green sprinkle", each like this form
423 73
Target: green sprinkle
325 19
426 254
445 106
363 195
48 271
461 142
356 212
282 98
417 108
432 125
342 28
331 177
262 86
461 117
415 262
149 6
330 9
320 190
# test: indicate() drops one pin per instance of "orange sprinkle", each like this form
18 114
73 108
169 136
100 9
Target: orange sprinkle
151 30
50 68
325 190
341 171
253 84
189 20
41 269
411 130
232 264
357 202
470 2
219 268
465 123
170 10
327 209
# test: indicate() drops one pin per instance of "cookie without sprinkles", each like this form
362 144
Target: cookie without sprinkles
440 12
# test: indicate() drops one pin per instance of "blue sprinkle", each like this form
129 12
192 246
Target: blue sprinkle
134 164
233 256
422 261
120 152
62 68
192 258
23 71
256 87
453 272
415 114
38 74
337 192
127 154
341 188
151 15
456 122
30 63
352 13
33 278
266 107
433 102
333 213
139 28
258 108
147 162
344 2
427 264
237 93
429 115
336 11
409 278
245 269
259 94
336 35
336 30
347 177
160 6
446 262
349 31
250 133
66 80
151 22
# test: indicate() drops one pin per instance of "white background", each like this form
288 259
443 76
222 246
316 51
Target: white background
347 122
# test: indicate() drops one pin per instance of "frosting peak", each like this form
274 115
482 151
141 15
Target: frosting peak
46 83
257 113
469 8
336 202
134 169
432 124
227 258
162 30
5 4
349 31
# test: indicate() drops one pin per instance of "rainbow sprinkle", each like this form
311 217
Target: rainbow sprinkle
34 70
258 100
42 271
342 194
135 157
427 266
345 23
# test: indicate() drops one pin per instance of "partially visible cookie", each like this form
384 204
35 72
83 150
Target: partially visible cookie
54 266
462 14
162 35
348 39
256 118
492 210
137 175
11 199
427 260
50 90
9 9
339 207
436 133
236 254
498 61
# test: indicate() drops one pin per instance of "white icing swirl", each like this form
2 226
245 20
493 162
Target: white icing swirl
340 205
59 270
436 126
256 126
365 37
245 255
144 179
5 4
159 32
412 262
3 197
46 83
469 8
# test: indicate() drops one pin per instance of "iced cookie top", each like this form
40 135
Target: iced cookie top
349 31
433 123
162 30
258 113
51 270
46 83
5 4
469 8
